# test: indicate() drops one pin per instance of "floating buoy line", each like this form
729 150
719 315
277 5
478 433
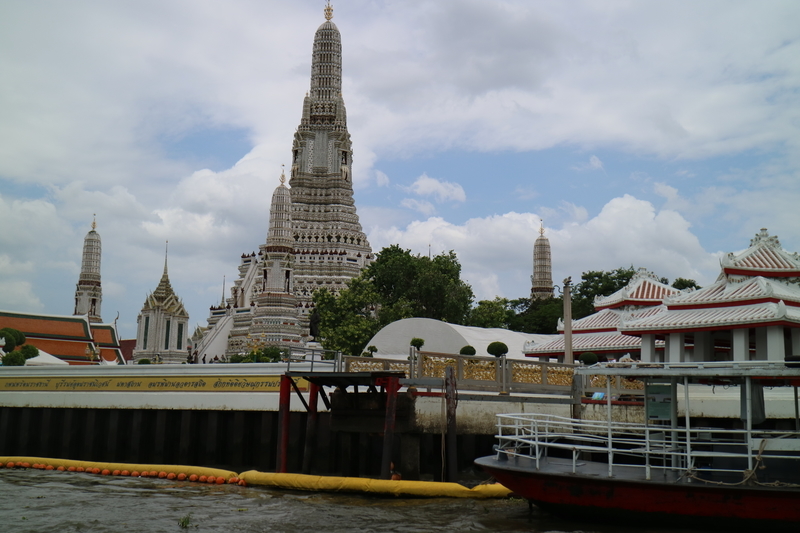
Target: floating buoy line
216 476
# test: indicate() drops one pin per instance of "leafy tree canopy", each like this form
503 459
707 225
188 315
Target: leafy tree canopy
597 283
396 285
495 313
497 348
29 351
683 283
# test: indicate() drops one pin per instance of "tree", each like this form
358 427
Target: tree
497 348
588 358
15 358
491 314
29 351
19 337
417 343
467 350
683 283
347 321
144 361
531 315
396 285
597 283
417 286
11 339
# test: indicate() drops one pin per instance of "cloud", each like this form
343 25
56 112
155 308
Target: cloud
424 207
381 179
442 191
496 252
593 164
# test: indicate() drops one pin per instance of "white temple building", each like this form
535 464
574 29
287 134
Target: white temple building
599 332
752 311
162 333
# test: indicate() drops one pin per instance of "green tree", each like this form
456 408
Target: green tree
144 361
417 286
491 314
683 283
597 283
396 285
29 351
347 321
467 350
10 335
497 348
15 358
536 315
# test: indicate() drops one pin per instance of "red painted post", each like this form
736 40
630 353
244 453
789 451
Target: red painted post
392 384
283 424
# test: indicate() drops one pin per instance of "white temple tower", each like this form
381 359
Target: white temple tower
163 326
273 318
330 246
88 292
542 278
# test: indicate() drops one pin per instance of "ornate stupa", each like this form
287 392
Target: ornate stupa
88 292
542 278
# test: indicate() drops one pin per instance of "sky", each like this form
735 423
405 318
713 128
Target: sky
649 134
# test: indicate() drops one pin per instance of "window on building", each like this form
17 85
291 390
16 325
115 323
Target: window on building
146 331
166 335
180 335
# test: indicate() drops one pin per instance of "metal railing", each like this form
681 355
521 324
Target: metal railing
685 453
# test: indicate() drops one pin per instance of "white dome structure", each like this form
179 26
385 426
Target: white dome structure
442 337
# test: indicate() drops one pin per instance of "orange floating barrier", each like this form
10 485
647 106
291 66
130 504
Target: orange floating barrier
181 476
193 477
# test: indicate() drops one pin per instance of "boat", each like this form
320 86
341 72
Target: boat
667 469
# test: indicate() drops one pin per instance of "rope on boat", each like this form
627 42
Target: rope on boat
749 478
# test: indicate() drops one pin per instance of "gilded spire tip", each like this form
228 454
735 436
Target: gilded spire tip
541 227
94 221
283 176
328 11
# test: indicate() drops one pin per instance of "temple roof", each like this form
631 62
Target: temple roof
164 297
595 342
729 292
644 288
714 318
606 320
765 257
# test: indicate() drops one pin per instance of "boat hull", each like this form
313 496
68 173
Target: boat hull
593 497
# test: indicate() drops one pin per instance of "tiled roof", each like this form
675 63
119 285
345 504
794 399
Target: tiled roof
714 317
733 291
57 327
607 320
643 289
597 342
67 350
764 255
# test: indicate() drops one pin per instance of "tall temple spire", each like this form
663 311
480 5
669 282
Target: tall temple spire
542 278
88 292
329 242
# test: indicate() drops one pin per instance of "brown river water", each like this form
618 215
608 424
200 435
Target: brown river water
36 500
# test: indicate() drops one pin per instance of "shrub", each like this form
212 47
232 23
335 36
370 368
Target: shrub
417 343
588 358
11 340
29 350
14 358
19 337
467 350
497 349
143 362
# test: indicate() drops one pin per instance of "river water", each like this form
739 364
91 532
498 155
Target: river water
36 501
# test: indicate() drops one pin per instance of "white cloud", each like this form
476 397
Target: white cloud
496 252
423 206
381 179
442 191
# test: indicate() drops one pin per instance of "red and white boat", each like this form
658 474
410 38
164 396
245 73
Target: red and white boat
746 475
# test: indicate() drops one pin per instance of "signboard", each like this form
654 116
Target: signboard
147 384
658 401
